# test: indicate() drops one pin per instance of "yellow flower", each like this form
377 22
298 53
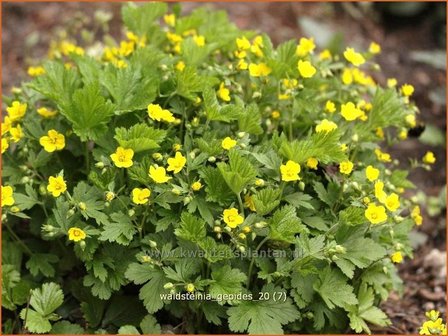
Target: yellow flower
76 234
407 90
380 194
196 186
177 163
6 125
305 47
240 54
396 257
325 54
290 83
375 214
122 157
374 48
379 133
428 158
16 111
283 96
242 43
330 106
190 288
36 71
259 182
344 147
391 82
156 112
223 92
158 174
275 114
290 171
354 57
312 163
256 49
242 65
5 145
56 185
392 202
372 173
46 113
259 70
350 112
432 327
228 143
7 196
199 40
249 202
140 196
170 19
346 167
403 134
110 195
326 126
180 66
232 218
306 69
16 133
347 76
384 157
53 141
410 120
416 215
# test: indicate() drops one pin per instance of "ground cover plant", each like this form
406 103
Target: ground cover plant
194 158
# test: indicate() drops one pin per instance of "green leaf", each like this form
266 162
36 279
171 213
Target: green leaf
266 200
120 230
150 326
25 202
214 312
184 270
189 83
285 224
215 112
300 200
89 112
216 188
57 84
214 252
44 301
352 216
262 317
139 137
139 18
128 330
324 146
399 179
238 173
250 120
93 201
332 286
131 89
35 322
66 328
226 281
191 228
366 311
42 263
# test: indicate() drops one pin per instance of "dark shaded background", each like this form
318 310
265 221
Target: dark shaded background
400 28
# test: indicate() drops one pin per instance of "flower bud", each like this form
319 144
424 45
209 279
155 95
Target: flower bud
110 195
42 190
70 213
192 155
211 159
168 285
355 137
25 180
260 225
242 236
23 168
176 191
103 171
259 182
340 249
246 229
190 288
82 244
256 94
302 185
152 243
157 156
334 258
187 199
99 165
241 134
82 206
228 229
4 217
146 259
218 235
131 212
217 229
242 248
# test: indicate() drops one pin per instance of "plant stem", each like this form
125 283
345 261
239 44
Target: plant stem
21 243
240 201
249 273
87 157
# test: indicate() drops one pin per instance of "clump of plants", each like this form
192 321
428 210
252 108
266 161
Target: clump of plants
195 178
